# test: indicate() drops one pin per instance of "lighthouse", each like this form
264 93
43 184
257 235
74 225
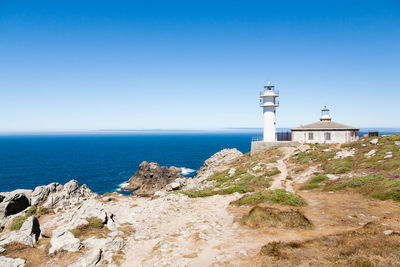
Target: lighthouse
269 104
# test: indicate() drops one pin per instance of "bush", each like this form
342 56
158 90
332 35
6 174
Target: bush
17 223
319 178
278 196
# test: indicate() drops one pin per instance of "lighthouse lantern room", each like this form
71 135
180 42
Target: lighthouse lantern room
269 104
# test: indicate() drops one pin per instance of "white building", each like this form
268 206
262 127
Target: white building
269 104
325 131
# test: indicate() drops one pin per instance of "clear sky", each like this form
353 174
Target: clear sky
87 65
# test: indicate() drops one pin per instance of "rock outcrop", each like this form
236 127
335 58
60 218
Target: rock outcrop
13 202
62 239
28 234
151 177
218 162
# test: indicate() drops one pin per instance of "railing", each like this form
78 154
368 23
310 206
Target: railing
370 134
256 138
284 136
275 91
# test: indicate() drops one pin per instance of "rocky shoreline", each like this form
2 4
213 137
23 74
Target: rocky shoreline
314 205
61 210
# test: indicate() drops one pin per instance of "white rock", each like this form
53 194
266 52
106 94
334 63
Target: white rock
374 141
2 250
332 176
17 237
10 262
388 232
388 156
344 154
89 259
326 150
64 239
370 153
397 143
232 172
31 228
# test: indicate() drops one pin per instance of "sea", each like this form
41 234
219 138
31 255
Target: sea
105 161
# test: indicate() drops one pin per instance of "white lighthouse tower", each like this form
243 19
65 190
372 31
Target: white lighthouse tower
268 103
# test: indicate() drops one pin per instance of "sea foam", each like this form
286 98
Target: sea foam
186 171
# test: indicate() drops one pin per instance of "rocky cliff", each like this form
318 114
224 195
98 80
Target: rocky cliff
151 177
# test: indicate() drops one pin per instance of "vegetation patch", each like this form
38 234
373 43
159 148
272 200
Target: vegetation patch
364 247
213 191
278 196
94 227
32 211
260 217
377 186
314 182
272 172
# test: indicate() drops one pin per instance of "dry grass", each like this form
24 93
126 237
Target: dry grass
367 246
39 256
261 217
127 229
94 227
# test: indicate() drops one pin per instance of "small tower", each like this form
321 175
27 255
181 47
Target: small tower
325 115
269 104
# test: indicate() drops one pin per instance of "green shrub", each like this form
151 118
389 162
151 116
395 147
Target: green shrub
319 178
31 211
278 196
272 172
309 186
18 222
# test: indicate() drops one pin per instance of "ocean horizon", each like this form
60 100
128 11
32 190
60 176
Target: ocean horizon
104 162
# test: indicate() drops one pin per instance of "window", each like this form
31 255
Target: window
327 136
310 136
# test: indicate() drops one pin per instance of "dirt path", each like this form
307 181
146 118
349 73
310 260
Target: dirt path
188 232
280 181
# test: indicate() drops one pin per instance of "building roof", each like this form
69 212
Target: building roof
325 125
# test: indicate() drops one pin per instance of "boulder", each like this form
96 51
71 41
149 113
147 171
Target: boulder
15 201
370 153
62 239
151 177
10 262
374 141
344 154
17 237
71 192
40 194
397 143
31 228
89 259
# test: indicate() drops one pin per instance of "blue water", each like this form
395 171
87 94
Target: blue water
103 162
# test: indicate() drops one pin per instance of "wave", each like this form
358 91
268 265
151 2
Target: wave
186 171
122 186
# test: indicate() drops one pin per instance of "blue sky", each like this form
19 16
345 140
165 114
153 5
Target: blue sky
69 65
